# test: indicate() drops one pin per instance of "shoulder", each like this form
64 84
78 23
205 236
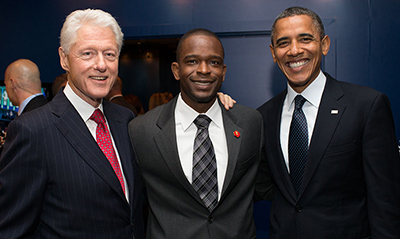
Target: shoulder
352 93
273 102
117 111
244 114
150 117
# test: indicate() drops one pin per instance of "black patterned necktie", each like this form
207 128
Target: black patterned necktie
298 144
204 174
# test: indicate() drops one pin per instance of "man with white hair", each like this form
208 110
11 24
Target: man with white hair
67 169
23 85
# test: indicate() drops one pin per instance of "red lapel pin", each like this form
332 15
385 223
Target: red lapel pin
236 133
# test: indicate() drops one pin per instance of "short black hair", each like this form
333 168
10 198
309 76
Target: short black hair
297 11
196 32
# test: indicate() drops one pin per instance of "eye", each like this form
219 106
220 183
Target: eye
87 55
191 61
111 56
215 63
282 43
306 39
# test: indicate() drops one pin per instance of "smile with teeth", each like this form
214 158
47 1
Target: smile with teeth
297 63
98 77
202 83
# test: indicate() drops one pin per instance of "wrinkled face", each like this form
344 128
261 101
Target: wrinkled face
298 50
200 70
92 63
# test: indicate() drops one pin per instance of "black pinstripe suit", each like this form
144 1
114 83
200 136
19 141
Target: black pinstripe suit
55 182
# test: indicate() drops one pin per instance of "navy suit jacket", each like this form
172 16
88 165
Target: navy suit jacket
34 103
351 180
176 210
57 183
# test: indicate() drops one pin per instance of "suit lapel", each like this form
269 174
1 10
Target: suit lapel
119 129
329 114
233 144
273 127
75 131
166 142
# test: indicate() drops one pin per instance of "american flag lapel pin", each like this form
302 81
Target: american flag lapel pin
334 112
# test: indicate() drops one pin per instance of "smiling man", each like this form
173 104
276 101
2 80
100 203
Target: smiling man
68 169
198 160
331 145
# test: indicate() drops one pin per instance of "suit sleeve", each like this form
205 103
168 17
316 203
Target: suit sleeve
381 165
22 182
263 189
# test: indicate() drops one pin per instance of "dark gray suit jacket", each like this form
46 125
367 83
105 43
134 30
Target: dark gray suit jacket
57 183
34 103
176 210
351 180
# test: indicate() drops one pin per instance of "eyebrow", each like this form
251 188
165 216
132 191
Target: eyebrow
300 35
211 56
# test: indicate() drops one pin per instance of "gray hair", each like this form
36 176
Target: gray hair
95 17
296 11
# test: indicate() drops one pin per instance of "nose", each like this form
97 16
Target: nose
100 63
203 68
295 49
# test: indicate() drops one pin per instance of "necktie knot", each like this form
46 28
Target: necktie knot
202 121
98 117
299 102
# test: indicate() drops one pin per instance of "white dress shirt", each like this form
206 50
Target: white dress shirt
85 110
313 95
186 133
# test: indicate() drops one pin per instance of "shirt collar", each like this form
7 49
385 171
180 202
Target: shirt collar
25 102
313 93
115 96
84 109
185 115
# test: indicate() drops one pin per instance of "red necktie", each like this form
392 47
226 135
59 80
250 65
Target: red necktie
104 141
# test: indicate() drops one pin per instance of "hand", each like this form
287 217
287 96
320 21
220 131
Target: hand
226 100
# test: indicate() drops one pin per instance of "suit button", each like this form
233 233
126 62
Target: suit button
211 219
298 209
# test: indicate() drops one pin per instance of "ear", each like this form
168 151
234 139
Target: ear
13 83
175 70
271 48
224 72
63 59
325 44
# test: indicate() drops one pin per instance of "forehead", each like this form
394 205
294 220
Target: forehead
294 25
201 45
96 36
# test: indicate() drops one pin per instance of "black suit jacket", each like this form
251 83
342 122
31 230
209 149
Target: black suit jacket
176 210
351 180
57 183
34 103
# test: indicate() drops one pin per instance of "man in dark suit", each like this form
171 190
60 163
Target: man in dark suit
23 85
347 185
215 201
115 96
68 169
